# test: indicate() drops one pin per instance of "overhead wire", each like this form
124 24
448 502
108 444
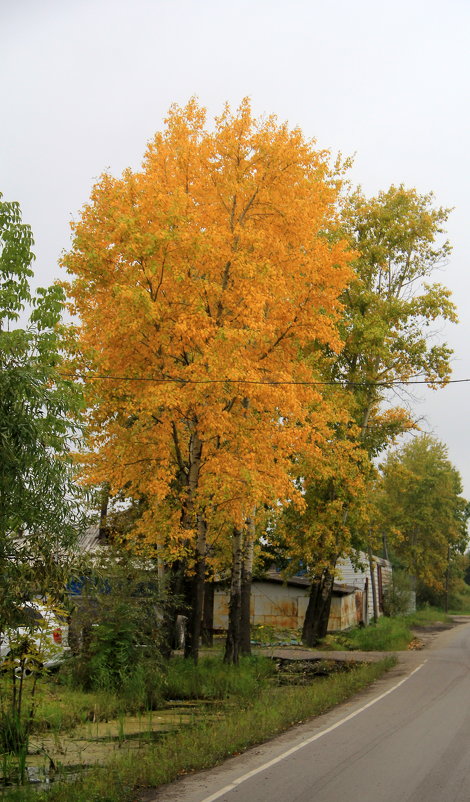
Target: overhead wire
270 382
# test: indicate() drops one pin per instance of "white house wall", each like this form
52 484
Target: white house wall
347 574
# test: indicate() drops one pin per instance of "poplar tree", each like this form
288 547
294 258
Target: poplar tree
422 510
388 325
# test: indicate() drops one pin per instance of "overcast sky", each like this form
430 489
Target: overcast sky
86 83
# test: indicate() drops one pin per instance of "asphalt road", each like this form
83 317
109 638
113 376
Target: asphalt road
406 739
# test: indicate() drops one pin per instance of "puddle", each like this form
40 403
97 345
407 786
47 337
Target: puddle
55 754
42 776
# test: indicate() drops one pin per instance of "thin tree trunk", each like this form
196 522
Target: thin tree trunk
104 502
366 603
446 599
191 648
246 579
317 614
208 613
181 594
374 587
232 643
385 546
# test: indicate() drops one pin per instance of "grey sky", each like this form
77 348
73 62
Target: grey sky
86 83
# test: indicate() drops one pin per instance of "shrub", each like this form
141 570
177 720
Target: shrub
118 621
398 595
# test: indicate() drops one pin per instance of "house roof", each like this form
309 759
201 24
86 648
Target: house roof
303 581
89 540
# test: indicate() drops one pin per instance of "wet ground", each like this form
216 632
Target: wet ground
90 744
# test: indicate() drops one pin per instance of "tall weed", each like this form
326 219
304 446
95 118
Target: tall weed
212 679
388 634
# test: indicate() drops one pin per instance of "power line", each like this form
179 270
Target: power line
271 383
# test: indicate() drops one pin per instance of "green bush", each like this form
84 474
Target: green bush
397 596
117 627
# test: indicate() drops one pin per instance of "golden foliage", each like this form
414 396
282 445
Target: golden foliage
204 271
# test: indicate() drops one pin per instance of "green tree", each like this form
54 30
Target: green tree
387 329
391 306
39 510
422 510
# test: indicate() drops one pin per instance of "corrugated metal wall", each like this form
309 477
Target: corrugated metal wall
283 606
272 604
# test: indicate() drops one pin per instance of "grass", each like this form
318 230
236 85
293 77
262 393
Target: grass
256 718
211 679
427 615
388 634
61 707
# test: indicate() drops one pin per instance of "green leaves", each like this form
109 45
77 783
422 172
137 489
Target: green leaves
16 257
389 306
420 502
39 410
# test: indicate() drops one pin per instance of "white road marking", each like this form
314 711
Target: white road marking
294 749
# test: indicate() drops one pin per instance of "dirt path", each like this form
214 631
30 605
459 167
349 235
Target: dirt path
424 637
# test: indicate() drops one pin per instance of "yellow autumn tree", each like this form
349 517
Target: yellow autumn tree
197 281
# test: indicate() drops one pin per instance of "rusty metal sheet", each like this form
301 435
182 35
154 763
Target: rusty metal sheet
279 608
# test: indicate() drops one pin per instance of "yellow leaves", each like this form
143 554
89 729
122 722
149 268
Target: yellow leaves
208 264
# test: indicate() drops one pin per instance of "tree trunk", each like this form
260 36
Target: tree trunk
191 647
318 610
232 643
208 613
246 578
446 597
192 589
366 602
375 603
173 598
315 625
104 502
385 546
